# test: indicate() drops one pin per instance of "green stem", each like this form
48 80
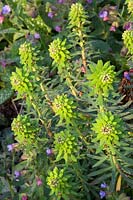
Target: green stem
81 37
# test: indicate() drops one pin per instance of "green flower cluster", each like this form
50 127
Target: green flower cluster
38 23
63 106
25 129
58 183
101 78
108 128
77 15
28 57
59 52
65 146
25 79
20 82
128 40
130 6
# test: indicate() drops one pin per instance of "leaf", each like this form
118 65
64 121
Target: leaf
100 161
8 30
118 184
100 171
19 34
5 94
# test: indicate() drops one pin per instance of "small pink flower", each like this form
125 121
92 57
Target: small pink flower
112 28
38 181
24 197
83 70
105 19
1 18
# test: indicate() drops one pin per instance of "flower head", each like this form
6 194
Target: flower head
10 147
17 174
128 26
103 185
37 36
103 14
89 1
3 63
38 181
49 152
126 75
24 197
102 194
58 28
50 15
112 28
1 18
61 1
6 10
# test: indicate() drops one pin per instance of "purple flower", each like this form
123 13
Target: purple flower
113 28
102 194
128 26
37 36
17 174
103 185
89 1
6 10
10 147
58 28
49 152
50 15
38 181
103 14
3 63
61 1
126 75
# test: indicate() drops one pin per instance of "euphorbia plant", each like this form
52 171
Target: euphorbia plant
68 129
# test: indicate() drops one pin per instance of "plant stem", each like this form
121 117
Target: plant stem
81 37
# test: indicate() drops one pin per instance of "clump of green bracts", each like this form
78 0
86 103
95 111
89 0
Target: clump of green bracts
101 78
130 6
58 183
128 40
108 129
77 16
65 146
59 52
63 107
26 130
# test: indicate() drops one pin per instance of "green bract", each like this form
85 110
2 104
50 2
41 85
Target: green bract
28 57
108 128
77 15
21 83
128 40
63 106
101 78
25 129
65 145
130 6
57 182
59 51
